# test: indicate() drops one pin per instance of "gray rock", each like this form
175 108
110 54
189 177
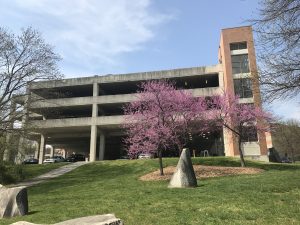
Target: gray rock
24 223
13 201
184 175
107 219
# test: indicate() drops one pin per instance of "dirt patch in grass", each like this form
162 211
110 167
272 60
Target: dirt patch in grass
202 172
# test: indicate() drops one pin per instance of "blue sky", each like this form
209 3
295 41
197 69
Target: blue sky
122 36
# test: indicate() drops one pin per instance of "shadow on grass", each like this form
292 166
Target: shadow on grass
235 162
32 212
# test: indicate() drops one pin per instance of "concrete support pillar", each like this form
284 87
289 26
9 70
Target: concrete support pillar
51 151
95 110
102 146
95 105
95 89
37 150
64 153
42 149
93 143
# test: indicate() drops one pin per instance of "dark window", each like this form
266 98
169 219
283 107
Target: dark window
210 103
249 134
243 87
240 64
237 46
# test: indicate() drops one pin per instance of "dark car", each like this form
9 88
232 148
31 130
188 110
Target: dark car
75 158
31 161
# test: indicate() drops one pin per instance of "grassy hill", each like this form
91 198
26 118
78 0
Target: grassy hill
271 197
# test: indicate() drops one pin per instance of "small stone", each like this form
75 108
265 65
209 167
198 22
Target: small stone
13 201
184 175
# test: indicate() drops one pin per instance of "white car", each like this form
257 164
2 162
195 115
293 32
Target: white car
54 159
146 156
50 160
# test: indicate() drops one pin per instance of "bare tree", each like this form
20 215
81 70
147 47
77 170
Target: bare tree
24 58
278 30
286 139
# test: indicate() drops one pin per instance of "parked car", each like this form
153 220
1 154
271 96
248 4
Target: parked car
75 158
59 158
31 161
286 160
50 160
54 159
146 156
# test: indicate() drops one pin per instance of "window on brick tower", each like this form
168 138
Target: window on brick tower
238 46
240 64
243 87
249 134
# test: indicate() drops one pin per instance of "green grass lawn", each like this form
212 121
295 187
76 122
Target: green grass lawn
31 171
10 174
271 197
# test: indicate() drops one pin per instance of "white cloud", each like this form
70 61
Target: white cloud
286 109
88 33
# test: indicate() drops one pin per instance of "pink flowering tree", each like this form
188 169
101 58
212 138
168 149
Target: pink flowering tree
161 118
243 120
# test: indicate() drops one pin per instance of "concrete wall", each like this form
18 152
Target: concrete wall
109 99
163 74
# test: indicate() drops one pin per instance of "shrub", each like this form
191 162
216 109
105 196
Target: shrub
10 173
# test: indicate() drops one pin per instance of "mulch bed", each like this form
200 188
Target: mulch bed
202 172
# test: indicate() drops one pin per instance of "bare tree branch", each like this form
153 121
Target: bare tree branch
278 30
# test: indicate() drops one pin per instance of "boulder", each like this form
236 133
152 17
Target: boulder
184 175
107 219
13 201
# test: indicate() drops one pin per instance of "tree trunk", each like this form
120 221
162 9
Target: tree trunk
243 164
161 169
292 154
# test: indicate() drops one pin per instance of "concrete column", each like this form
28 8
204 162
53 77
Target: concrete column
64 153
95 89
102 146
93 143
37 149
42 149
52 151
95 105
95 110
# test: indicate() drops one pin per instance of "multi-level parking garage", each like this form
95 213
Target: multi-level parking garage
84 115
